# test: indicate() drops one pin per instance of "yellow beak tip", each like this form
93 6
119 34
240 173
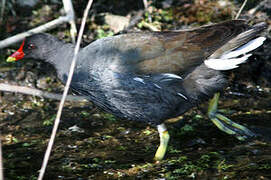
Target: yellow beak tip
11 59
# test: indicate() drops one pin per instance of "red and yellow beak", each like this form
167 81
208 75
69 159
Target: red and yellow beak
19 54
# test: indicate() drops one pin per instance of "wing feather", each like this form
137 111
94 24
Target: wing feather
173 51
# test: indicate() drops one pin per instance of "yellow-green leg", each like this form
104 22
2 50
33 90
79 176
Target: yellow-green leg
164 138
225 124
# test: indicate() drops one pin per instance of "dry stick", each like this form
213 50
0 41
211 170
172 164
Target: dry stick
2 9
241 9
19 37
1 163
36 92
145 4
135 20
254 10
70 12
57 120
50 25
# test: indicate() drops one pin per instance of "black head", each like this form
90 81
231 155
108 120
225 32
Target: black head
38 46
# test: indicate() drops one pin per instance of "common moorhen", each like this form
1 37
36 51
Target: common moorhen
153 76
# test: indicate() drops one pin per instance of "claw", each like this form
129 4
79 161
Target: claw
239 127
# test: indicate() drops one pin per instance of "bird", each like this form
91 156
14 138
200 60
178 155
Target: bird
150 77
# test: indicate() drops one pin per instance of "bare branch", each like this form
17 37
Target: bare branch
50 25
70 12
36 92
241 9
135 20
145 4
19 37
2 9
255 9
66 89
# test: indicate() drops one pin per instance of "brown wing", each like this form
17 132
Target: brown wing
174 51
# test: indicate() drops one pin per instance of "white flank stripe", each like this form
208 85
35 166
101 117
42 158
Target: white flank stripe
157 86
250 46
183 96
168 75
225 64
139 80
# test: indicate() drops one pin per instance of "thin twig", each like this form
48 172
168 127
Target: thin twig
241 9
68 7
255 9
2 9
1 162
145 4
135 20
45 27
36 92
66 89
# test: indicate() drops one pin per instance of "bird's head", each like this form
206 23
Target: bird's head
38 46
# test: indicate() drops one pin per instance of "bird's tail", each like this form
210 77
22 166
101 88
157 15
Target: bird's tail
207 79
237 50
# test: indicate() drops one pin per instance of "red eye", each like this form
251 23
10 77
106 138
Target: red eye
31 46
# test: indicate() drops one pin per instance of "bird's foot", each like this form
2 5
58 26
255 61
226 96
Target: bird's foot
225 124
164 138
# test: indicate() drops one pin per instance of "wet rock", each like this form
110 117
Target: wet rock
75 128
116 23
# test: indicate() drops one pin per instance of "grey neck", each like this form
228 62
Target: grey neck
61 59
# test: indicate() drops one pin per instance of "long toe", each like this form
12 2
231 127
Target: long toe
225 124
